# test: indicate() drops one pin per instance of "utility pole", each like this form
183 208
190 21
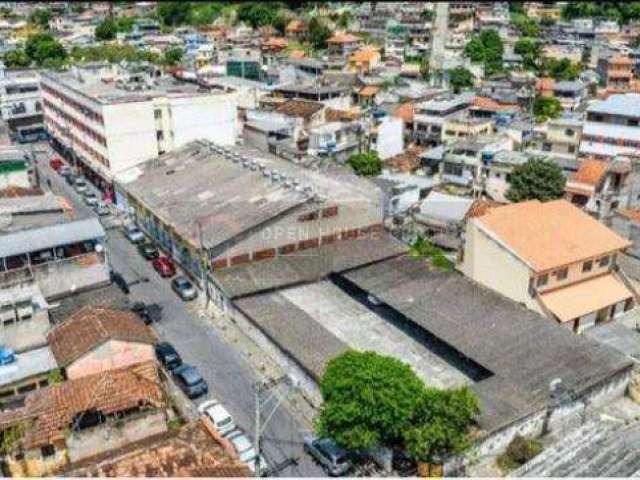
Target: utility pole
261 387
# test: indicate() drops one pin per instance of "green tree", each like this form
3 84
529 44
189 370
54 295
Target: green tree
547 21
366 164
106 30
42 47
174 13
204 13
516 7
173 56
425 249
368 400
280 22
440 423
258 14
527 26
546 107
318 33
536 179
519 451
16 59
531 51
40 17
125 24
460 78
425 69
562 69
486 48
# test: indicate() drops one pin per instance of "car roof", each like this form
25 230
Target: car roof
218 412
241 441
189 372
166 347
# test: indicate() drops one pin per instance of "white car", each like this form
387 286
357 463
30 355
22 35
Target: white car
91 199
80 185
133 233
221 418
246 452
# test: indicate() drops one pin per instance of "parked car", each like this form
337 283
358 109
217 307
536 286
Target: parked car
133 233
190 381
164 266
91 199
56 164
168 356
148 313
80 185
101 210
184 288
70 178
246 452
332 458
148 251
66 171
120 282
7 356
221 418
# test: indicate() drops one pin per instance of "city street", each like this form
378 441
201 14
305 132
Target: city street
230 378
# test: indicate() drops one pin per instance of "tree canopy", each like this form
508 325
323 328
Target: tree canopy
527 26
16 59
45 51
486 48
174 13
172 56
106 30
536 179
531 51
372 400
562 69
623 12
318 33
40 17
460 78
546 107
366 164
258 14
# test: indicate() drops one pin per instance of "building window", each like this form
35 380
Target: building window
546 147
587 266
562 273
542 280
160 135
604 261
48 450
569 133
571 148
157 114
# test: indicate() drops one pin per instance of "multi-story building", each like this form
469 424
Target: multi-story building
615 73
21 102
551 257
430 117
612 127
108 126
562 137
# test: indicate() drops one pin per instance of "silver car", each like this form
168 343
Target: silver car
246 452
333 458
91 199
133 233
184 288
80 185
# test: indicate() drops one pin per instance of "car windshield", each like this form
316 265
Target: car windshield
225 422
191 376
242 444
247 455
183 283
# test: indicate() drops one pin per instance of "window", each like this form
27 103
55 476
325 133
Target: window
546 147
157 114
542 280
48 450
587 266
160 135
569 133
571 148
604 261
562 273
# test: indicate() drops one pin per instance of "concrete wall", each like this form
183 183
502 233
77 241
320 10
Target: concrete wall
390 140
26 334
575 273
493 266
109 356
16 179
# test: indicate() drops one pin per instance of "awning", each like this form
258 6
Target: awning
585 297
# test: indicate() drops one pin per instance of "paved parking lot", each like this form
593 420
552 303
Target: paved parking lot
229 376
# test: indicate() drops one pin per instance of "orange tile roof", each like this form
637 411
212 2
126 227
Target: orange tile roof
585 297
623 59
192 452
545 83
335 115
369 91
549 235
405 112
343 37
297 54
275 42
364 55
590 172
490 104
406 161
296 26
50 412
90 327
482 206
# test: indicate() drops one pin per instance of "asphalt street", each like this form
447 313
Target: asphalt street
231 379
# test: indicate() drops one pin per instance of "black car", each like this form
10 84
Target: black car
148 313
168 356
190 381
148 251
120 282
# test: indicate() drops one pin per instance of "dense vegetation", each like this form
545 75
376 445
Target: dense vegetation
537 179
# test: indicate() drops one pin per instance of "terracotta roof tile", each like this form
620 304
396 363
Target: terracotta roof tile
369 91
334 115
405 162
299 108
482 206
364 55
50 412
90 327
545 83
275 43
297 54
343 37
490 104
405 112
590 172
549 235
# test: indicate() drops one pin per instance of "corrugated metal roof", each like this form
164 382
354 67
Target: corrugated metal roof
627 105
51 236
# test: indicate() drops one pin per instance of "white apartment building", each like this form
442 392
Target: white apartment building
108 124
20 100
612 128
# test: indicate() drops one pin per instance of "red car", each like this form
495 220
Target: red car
164 266
56 163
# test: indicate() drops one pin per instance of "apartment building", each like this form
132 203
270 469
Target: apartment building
108 124
430 117
615 73
551 257
612 127
21 103
562 137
